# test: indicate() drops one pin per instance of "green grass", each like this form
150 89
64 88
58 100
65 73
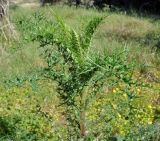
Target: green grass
22 58
118 31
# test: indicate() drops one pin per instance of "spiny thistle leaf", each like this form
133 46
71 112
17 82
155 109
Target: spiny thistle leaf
70 40
62 38
76 46
62 32
89 31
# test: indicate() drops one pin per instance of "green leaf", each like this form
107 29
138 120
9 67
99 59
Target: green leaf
89 31
76 46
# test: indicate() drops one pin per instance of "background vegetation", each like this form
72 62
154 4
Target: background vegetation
118 75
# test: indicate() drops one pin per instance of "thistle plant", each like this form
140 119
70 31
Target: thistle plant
69 66
78 74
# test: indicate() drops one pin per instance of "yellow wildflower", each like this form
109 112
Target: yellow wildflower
114 91
125 95
117 89
150 106
150 122
138 90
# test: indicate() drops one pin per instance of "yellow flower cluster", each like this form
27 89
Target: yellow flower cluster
116 90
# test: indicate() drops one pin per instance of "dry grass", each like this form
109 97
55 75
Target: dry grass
118 31
127 27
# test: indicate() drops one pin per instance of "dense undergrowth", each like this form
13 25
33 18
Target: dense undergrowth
80 84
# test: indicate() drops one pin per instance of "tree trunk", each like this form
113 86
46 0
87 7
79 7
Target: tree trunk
4 7
6 29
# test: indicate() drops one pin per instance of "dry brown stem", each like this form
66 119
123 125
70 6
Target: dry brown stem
6 29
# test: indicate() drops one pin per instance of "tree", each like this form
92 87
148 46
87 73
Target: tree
6 28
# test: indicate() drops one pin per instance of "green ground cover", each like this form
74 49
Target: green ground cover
126 107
